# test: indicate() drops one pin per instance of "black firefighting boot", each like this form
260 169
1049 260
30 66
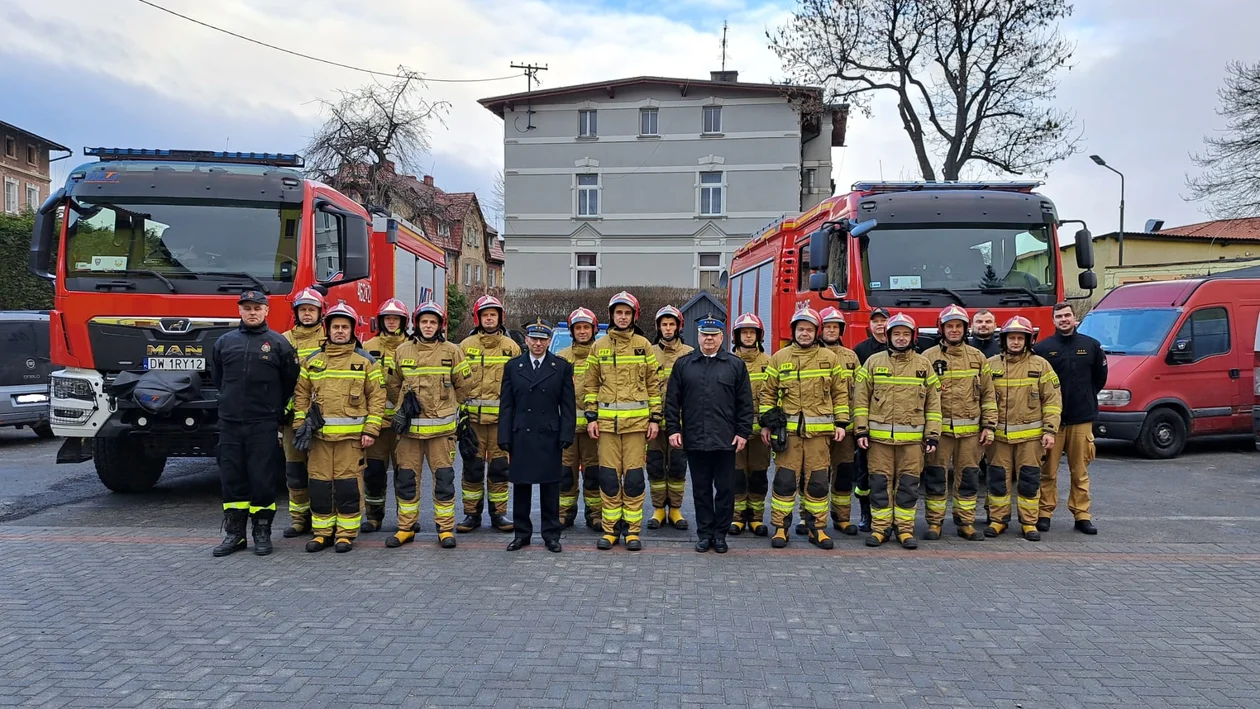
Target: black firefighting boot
262 536
633 543
864 524
319 543
399 538
755 525
1031 533
875 539
819 538
970 533
676 518
657 518
933 533
736 528
500 522
780 538
995 529
468 523
373 519
234 532
291 531
343 546
907 540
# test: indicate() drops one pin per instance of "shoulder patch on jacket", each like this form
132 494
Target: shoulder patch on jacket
315 363
605 353
786 366
356 367
851 365
883 370
639 351
474 351
920 373
448 362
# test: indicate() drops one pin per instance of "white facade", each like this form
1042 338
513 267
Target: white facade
651 181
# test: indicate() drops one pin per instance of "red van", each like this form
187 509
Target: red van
1182 361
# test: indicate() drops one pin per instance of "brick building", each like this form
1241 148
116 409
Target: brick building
24 168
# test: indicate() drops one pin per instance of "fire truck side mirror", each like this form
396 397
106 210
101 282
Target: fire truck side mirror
861 228
1084 249
44 236
356 265
818 281
1088 280
819 251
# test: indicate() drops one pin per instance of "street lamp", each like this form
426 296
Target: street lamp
1120 250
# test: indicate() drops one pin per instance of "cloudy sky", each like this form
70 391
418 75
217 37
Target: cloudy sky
120 73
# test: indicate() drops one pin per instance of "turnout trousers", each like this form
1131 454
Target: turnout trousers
410 458
895 472
1018 466
336 488
801 470
1077 440
581 462
296 480
751 482
666 474
477 483
376 474
844 470
247 452
622 457
954 459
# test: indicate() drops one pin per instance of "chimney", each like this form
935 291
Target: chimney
724 77
428 180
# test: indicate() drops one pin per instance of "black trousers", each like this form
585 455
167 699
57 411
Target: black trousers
713 472
247 466
548 503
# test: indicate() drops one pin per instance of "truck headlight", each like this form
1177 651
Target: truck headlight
1114 397
72 388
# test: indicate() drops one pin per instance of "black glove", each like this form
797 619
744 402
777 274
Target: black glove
467 435
861 437
564 445
409 410
931 442
305 433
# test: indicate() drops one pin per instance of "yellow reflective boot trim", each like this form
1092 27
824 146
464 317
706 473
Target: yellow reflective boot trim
935 505
408 507
236 505
905 516
349 522
612 514
568 500
300 507
441 509
498 497
1029 504
816 508
632 516
476 495
253 509
322 522
882 514
785 506
961 504
999 500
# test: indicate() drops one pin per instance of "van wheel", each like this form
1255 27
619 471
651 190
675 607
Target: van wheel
1163 435
43 430
123 465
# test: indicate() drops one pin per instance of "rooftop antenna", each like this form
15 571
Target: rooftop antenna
724 28
531 75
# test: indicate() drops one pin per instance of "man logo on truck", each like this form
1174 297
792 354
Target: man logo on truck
174 350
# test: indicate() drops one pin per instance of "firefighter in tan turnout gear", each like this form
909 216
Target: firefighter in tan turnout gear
752 463
345 386
667 466
968 417
897 416
583 456
804 383
1029 406
432 379
391 321
843 453
623 409
307 336
487 351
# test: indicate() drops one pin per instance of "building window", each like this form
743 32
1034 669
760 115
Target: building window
1207 331
327 247
648 124
444 230
588 270
468 274
587 124
10 195
32 155
710 271
810 179
712 119
477 274
710 193
588 195
32 196
490 275
10 146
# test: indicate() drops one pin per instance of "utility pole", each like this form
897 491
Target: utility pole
531 73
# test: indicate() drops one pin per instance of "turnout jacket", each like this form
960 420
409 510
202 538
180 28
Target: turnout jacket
382 348
849 364
967 398
577 355
348 386
622 391
709 401
1028 399
486 353
440 378
757 363
807 383
667 353
898 399
306 340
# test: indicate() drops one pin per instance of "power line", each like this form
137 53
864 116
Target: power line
317 59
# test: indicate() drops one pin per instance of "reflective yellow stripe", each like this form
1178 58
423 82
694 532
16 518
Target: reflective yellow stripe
961 373
895 436
625 359
999 500
349 522
899 381
931 416
882 514
632 516
1049 376
935 505
1051 409
816 508
300 507
611 514
321 522
961 504
905 518
879 426
236 505
840 500
632 413
757 376
499 496
339 374
861 411
408 507
374 419
782 505
1002 383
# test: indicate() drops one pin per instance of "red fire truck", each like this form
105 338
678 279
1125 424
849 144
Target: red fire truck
149 250
912 247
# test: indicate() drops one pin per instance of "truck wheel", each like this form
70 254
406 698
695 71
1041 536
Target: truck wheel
43 430
1163 435
123 465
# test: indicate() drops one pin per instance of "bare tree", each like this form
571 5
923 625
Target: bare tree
372 137
496 204
1230 177
973 79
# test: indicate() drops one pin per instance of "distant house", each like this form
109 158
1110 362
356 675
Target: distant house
1165 254
24 167
496 259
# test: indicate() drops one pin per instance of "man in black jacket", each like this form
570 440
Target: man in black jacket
709 413
255 370
877 341
983 327
1082 368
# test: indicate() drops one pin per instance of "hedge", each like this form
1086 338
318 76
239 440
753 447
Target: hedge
555 304
19 289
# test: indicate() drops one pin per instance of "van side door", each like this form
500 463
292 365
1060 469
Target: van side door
1200 361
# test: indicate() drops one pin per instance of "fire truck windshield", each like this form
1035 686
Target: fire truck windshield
165 240
1014 261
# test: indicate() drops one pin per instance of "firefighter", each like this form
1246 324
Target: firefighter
751 483
622 401
487 351
844 466
391 326
306 336
803 381
583 456
968 417
431 378
897 414
667 466
348 387
1029 406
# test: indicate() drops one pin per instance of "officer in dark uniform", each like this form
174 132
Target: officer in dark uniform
877 341
255 370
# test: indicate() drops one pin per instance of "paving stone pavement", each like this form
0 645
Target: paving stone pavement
118 604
